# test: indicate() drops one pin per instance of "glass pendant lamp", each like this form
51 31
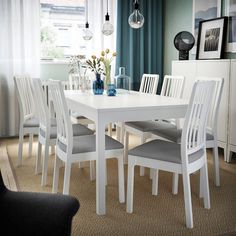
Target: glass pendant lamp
87 34
136 19
107 28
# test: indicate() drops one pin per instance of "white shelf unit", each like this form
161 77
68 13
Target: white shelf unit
226 69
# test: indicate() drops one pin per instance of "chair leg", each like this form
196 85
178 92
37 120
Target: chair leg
155 174
229 155
52 149
187 200
92 170
216 165
201 190
126 147
206 186
105 172
122 133
175 183
66 185
110 129
225 154
142 169
31 140
130 186
121 179
38 168
81 165
56 174
45 165
118 129
20 150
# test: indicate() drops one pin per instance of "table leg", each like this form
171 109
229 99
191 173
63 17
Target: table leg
100 168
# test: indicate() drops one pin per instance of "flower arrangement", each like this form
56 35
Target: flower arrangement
76 63
94 64
106 59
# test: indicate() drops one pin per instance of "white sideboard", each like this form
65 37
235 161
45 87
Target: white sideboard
227 113
232 111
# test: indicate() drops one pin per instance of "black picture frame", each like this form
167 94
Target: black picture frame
211 38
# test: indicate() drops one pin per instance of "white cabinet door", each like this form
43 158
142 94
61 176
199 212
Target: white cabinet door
188 70
232 105
220 69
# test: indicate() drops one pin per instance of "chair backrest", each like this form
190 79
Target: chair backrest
64 125
149 83
172 86
214 109
194 131
41 105
25 97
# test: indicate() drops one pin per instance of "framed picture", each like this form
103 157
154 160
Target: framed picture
211 38
203 10
230 11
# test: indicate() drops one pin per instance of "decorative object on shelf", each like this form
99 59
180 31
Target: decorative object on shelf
122 82
87 34
98 85
230 11
107 28
136 19
211 38
107 59
203 10
77 73
184 42
111 90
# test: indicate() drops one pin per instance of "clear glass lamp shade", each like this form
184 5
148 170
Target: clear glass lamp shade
107 28
136 20
87 34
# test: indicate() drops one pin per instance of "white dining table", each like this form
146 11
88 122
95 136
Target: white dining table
103 110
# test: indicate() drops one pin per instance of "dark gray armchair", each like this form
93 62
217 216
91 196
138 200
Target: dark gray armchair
28 213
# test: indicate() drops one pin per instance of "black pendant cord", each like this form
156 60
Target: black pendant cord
87 24
107 15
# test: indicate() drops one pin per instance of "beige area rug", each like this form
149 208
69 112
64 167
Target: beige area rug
153 215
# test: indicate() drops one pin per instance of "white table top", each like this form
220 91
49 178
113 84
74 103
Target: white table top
133 100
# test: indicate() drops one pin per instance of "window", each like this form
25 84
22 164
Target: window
62 22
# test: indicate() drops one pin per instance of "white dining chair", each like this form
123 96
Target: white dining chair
172 133
47 129
149 84
184 158
29 123
71 149
172 87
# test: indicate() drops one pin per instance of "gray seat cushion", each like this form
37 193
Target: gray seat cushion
78 130
163 150
144 126
169 131
32 122
82 144
77 115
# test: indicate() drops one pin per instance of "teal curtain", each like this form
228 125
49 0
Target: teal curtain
140 50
